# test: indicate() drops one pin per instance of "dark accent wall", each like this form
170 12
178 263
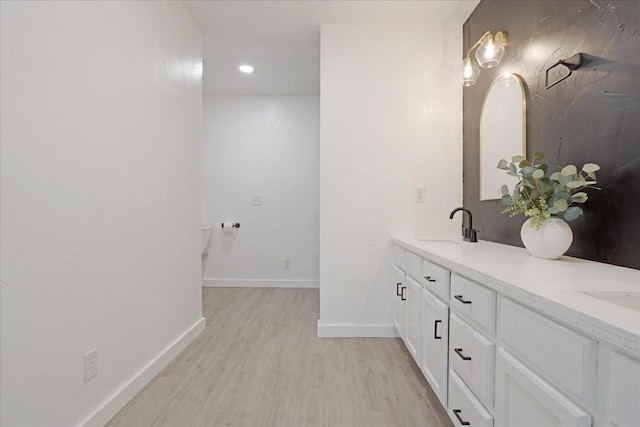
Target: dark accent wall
592 116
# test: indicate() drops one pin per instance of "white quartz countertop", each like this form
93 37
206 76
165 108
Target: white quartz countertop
554 287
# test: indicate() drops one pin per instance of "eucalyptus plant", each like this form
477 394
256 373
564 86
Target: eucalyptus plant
541 196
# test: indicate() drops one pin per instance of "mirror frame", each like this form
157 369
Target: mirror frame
520 83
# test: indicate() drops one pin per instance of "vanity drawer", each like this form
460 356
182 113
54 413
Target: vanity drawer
413 265
471 355
397 255
436 279
560 354
408 262
474 300
464 407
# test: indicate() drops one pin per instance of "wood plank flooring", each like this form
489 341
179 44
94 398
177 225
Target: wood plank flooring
259 363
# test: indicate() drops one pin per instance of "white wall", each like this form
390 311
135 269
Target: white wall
391 121
100 206
265 146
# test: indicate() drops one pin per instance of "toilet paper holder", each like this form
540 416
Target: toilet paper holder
233 225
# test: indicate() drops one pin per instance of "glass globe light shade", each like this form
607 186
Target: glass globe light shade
470 72
490 52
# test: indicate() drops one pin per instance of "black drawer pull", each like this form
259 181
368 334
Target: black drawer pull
459 353
402 293
435 330
398 288
461 299
457 412
429 278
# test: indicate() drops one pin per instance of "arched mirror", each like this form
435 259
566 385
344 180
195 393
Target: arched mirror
502 132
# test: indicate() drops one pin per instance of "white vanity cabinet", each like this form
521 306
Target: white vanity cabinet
524 399
421 315
407 273
435 343
436 279
471 351
412 335
623 402
514 344
399 301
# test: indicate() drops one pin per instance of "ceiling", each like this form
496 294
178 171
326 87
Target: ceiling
281 39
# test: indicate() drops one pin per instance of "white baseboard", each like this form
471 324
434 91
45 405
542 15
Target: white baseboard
120 398
341 330
259 283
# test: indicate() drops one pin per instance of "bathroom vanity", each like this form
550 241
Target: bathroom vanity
506 339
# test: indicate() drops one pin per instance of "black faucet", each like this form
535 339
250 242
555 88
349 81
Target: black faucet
469 234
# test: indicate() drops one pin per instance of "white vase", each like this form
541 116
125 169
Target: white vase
550 241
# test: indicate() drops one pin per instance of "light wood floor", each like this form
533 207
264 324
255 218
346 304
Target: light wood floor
259 363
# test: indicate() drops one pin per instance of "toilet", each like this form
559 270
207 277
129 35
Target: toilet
205 233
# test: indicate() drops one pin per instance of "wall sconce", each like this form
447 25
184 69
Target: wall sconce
488 55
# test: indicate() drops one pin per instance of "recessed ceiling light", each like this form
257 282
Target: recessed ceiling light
246 69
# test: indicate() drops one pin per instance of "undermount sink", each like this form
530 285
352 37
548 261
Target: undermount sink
623 299
425 239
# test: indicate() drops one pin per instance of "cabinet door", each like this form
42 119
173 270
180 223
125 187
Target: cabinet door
623 399
412 334
524 399
435 339
399 299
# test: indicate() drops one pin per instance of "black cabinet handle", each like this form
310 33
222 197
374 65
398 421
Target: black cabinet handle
461 299
435 330
457 412
459 353
398 288
429 278
402 293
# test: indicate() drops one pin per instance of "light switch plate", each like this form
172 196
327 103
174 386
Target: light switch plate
420 194
256 201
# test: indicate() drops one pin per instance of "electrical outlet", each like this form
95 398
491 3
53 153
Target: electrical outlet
256 201
90 364
420 194
287 264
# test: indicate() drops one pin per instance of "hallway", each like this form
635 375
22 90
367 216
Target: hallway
260 363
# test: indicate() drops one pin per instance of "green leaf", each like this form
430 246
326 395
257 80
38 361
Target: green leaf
590 168
506 199
517 159
575 184
503 164
538 155
537 174
555 176
544 167
553 210
580 197
527 171
564 179
561 205
569 170
504 190
524 163
572 213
